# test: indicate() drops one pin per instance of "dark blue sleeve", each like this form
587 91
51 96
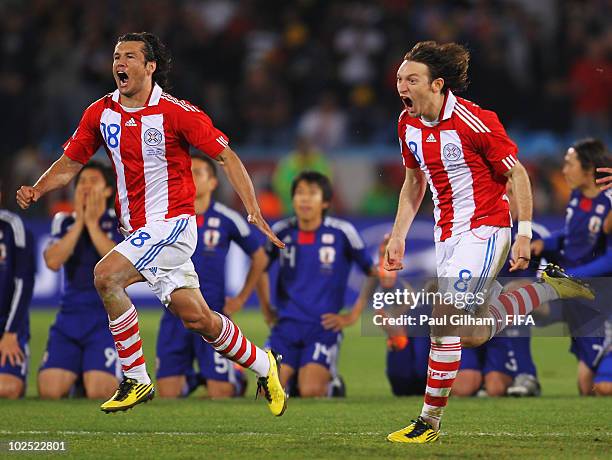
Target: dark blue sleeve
357 250
59 225
25 268
599 267
248 242
555 241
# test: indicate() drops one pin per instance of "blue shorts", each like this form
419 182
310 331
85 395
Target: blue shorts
20 370
497 355
586 350
520 347
304 343
604 370
80 342
178 348
407 368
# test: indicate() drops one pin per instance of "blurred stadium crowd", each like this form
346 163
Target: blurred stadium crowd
311 83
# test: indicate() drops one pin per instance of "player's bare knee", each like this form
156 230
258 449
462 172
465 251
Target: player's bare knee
464 389
11 390
104 278
603 388
100 390
221 392
50 392
313 390
167 390
495 387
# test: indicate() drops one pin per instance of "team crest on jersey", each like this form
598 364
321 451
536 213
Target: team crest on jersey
211 238
214 222
327 255
573 202
594 224
107 225
327 238
452 152
599 209
153 137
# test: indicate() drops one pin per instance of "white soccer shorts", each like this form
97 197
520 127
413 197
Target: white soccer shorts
470 261
161 251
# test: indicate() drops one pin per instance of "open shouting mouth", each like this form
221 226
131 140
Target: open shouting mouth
123 78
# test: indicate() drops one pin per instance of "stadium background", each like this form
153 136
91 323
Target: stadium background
306 79
282 78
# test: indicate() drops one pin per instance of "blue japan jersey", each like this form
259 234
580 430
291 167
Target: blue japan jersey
583 239
314 267
78 291
17 267
217 228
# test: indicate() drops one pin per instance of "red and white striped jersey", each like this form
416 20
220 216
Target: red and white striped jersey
149 151
464 157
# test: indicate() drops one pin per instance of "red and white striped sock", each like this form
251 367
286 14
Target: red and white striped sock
444 361
237 348
521 301
129 346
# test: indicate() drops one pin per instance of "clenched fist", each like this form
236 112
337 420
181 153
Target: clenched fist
27 195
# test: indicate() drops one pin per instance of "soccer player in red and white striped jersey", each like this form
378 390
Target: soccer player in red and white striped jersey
465 155
146 133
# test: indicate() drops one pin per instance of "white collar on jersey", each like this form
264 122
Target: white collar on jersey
153 100
447 110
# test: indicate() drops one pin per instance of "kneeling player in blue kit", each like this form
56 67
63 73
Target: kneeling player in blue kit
312 279
177 348
584 247
17 266
80 344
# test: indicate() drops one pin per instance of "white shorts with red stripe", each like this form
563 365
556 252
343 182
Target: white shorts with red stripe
161 251
470 262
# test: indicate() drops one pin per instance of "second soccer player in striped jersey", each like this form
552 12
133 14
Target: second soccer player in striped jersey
146 133
465 155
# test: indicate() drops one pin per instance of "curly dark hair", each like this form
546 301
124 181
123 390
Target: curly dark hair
448 61
154 51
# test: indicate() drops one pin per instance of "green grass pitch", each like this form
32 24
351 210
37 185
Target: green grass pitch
559 424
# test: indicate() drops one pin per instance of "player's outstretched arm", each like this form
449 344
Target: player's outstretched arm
241 181
259 262
521 187
262 288
58 175
410 199
605 182
337 322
